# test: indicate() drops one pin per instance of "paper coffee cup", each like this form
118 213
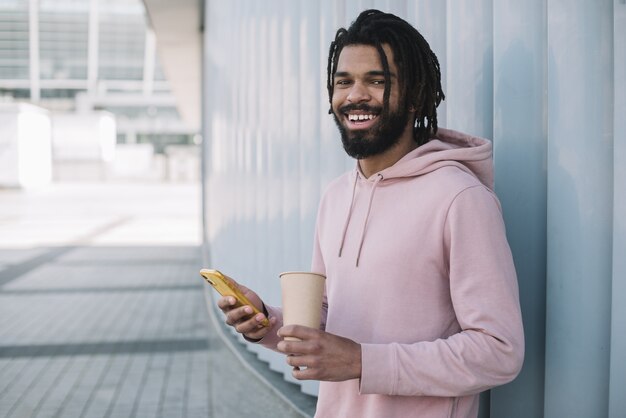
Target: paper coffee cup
302 295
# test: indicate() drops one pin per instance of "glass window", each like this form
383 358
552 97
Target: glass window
122 40
59 93
14 40
15 93
161 141
63 39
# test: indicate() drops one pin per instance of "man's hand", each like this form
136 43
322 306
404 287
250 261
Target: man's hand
320 355
241 318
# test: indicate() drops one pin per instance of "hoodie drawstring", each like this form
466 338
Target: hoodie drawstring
379 177
345 227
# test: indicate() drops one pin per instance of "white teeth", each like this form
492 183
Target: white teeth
360 117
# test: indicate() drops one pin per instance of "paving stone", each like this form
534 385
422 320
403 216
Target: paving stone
90 330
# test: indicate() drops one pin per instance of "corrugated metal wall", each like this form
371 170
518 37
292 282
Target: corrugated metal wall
545 79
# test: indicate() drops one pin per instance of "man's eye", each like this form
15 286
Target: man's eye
378 82
342 82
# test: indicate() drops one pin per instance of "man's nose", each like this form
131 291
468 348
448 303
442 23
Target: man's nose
358 93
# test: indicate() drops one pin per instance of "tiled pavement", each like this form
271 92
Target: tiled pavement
101 308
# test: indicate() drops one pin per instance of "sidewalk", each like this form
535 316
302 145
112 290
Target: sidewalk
101 307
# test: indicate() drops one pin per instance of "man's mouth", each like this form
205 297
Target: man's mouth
355 118
360 121
359 116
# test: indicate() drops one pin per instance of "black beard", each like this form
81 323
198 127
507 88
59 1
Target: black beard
376 140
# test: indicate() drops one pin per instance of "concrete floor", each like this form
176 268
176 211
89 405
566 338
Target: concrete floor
102 312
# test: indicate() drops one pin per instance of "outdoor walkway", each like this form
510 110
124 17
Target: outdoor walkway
102 312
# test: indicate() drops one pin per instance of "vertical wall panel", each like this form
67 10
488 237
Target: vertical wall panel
427 16
272 130
617 400
520 153
332 163
470 66
312 70
580 178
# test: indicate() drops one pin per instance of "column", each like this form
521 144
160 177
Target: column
580 207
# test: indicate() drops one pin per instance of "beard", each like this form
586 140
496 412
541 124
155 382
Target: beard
376 140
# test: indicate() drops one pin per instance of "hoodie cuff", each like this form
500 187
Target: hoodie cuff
378 370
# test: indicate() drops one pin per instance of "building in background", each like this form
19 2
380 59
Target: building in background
93 65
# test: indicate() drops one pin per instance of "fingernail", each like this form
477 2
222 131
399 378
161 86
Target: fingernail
248 310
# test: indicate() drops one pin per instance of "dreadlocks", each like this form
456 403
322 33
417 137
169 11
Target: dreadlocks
419 73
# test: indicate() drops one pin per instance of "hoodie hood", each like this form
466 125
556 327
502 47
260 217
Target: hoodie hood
448 148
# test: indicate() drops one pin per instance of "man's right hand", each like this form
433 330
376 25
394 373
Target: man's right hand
241 317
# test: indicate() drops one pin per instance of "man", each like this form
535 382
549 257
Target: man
421 309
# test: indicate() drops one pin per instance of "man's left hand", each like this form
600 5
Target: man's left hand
320 355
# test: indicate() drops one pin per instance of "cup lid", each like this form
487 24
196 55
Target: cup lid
302 272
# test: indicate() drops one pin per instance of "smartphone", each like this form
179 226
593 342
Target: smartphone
226 287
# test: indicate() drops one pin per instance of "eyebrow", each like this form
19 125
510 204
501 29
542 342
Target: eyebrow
373 73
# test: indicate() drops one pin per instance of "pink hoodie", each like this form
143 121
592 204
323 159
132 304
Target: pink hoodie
419 272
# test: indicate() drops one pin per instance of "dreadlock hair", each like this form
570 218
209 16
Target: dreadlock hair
419 73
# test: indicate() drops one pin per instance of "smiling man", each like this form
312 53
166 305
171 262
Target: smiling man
421 309
357 99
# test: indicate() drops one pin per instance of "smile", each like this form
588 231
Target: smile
360 117
360 121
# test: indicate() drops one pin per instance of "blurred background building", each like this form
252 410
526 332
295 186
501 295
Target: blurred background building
91 69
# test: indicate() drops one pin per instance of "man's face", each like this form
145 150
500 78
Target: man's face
357 102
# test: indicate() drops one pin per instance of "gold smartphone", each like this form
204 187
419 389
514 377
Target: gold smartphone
226 287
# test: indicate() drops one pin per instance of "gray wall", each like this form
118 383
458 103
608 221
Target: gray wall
545 79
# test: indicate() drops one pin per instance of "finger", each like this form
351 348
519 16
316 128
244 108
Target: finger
299 363
247 327
239 314
289 347
298 331
253 324
294 347
295 361
226 303
305 373
246 323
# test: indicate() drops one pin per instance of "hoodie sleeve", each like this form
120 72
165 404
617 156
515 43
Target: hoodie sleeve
318 266
489 349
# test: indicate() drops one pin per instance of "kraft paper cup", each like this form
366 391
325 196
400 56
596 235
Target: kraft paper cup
302 295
